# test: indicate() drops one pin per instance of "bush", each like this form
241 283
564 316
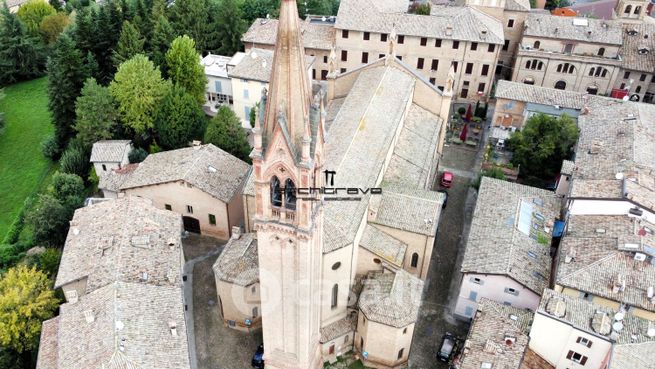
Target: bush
492 173
48 261
69 190
50 148
75 161
9 256
137 155
49 220
17 225
461 111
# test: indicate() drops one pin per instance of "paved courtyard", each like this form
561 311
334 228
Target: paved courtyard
216 346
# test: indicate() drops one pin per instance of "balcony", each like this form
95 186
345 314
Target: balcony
283 215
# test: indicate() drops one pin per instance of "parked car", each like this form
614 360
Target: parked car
258 358
447 348
445 198
447 179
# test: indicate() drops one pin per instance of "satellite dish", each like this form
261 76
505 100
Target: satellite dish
618 175
617 326
619 316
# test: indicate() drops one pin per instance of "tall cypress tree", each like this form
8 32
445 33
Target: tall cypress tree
191 17
129 44
230 27
21 56
161 40
67 73
85 29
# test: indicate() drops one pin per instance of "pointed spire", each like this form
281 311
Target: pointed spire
288 100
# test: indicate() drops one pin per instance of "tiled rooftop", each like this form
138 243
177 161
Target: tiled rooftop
589 29
597 320
119 240
339 328
638 37
239 263
414 210
257 65
616 146
391 298
381 244
539 95
113 180
492 325
598 253
121 325
315 36
508 223
466 23
48 346
413 159
206 167
110 151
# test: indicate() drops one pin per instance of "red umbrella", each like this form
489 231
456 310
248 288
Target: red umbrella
465 129
469 114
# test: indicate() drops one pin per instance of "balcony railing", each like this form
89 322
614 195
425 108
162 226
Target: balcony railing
283 215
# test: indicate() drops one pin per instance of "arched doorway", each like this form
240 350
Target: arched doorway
191 224
560 85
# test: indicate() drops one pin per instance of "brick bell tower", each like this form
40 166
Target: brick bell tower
288 154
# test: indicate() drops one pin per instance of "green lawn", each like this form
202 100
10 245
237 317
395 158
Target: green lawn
23 168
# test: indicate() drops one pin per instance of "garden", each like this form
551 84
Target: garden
466 125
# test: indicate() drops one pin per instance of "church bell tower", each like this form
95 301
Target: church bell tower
287 160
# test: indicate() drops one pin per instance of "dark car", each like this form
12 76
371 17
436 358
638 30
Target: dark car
447 348
258 358
445 199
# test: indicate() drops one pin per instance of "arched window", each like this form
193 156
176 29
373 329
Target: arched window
255 312
604 74
591 71
638 89
527 64
414 260
560 85
536 45
601 51
559 68
627 9
400 353
276 193
566 68
637 9
541 65
335 296
289 194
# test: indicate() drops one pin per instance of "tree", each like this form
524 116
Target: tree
184 69
138 88
179 119
26 300
69 190
84 29
253 9
224 131
494 172
52 26
229 26
56 4
542 144
32 13
97 113
75 160
137 155
130 43
49 221
66 77
162 37
21 56
192 18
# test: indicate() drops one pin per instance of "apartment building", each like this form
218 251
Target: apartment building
465 38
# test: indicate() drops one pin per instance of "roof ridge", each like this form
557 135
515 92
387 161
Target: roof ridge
613 254
196 160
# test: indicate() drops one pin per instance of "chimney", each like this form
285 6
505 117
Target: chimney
236 232
88 316
449 30
173 326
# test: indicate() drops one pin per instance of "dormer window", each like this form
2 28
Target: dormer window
632 32
276 193
644 51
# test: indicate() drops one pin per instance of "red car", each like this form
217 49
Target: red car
447 179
